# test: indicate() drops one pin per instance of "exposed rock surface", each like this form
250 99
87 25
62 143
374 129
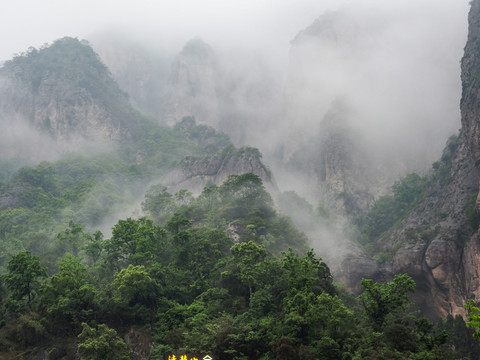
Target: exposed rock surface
439 243
356 54
436 244
194 173
193 86
470 103
140 72
61 89
62 92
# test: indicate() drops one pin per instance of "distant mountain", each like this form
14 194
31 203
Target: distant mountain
139 71
64 90
61 103
194 86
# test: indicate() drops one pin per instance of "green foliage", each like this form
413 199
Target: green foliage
241 204
69 296
460 337
308 274
101 343
246 256
86 189
24 276
389 209
233 301
202 135
134 289
133 242
383 300
473 319
471 212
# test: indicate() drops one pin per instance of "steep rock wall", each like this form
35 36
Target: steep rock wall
436 244
194 173
470 103
64 92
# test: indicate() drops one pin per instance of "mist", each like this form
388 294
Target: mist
385 75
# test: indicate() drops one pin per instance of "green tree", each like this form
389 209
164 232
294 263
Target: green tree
246 256
94 246
136 291
69 296
101 343
381 300
409 189
134 242
473 319
158 204
71 239
24 275
309 274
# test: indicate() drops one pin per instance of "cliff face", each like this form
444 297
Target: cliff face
389 85
62 92
194 173
470 103
338 164
193 86
438 244
138 71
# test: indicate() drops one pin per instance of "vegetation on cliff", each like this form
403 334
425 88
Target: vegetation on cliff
182 281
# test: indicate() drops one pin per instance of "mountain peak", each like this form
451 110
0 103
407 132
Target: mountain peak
198 48
65 91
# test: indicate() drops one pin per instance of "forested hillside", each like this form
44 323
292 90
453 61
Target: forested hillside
124 238
177 283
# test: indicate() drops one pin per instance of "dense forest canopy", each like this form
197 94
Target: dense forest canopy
124 238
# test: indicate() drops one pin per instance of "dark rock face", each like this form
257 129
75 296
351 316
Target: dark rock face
470 103
438 244
194 173
435 244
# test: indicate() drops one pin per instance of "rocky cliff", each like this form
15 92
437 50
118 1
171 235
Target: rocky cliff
139 71
438 243
196 172
62 92
357 55
470 102
193 86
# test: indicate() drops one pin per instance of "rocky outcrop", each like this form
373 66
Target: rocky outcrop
356 53
138 71
342 167
436 244
193 86
470 103
194 173
62 92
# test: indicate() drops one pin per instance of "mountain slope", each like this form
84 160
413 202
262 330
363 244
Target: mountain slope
64 90
437 241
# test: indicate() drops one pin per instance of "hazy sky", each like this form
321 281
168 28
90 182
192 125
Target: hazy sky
251 23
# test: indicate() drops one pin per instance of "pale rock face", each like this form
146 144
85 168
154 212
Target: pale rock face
197 172
193 86
61 95
141 73
435 243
